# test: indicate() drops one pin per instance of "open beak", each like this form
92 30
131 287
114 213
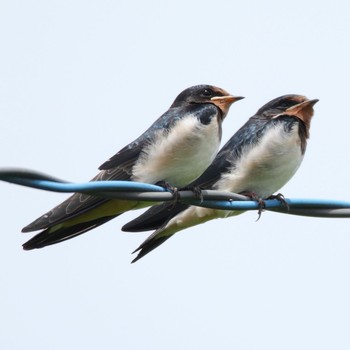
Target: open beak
224 102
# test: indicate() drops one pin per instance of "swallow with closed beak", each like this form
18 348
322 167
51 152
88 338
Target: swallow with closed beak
174 151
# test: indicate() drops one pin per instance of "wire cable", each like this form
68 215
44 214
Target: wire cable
129 190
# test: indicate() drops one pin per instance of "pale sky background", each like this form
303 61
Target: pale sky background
81 79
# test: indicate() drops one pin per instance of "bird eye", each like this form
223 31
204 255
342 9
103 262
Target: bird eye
207 93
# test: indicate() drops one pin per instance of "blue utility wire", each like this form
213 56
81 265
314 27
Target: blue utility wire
129 190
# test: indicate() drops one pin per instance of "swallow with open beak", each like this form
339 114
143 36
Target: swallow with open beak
258 160
174 151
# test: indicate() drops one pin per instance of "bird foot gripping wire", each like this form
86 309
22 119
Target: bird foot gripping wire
173 190
280 197
196 191
254 197
262 202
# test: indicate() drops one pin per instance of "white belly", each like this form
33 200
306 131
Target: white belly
266 167
180 156
263 169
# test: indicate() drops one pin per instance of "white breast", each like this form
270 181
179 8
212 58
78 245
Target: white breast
180 156
266 167
262 169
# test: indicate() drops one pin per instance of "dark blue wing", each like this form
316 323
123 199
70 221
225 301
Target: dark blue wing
130 153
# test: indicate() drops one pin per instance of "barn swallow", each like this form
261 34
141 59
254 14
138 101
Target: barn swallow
260 158
175 150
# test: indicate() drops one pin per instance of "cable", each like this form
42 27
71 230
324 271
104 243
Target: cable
129 190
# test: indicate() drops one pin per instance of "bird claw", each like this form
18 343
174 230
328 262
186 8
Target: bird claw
261 207
197 192
280 197
261 203
173 190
